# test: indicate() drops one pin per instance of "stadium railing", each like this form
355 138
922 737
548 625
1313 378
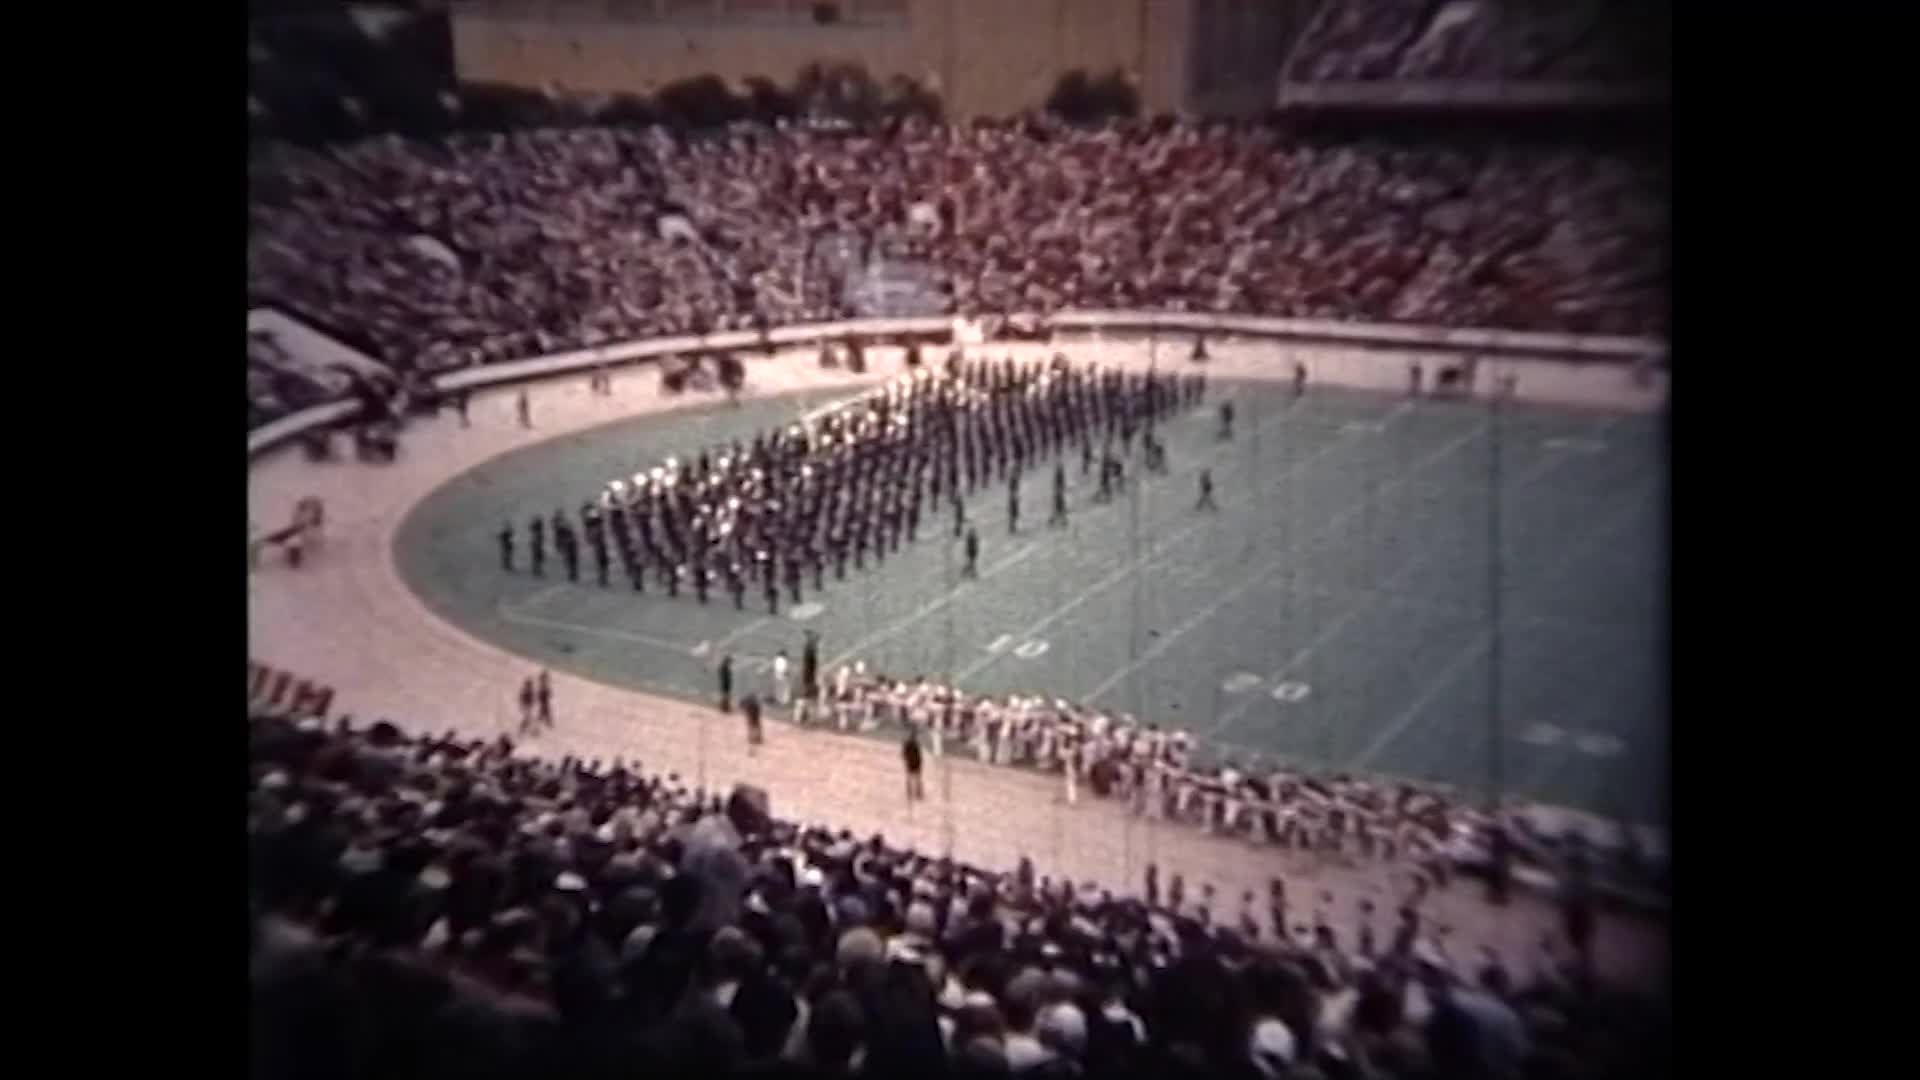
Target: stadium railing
1514 346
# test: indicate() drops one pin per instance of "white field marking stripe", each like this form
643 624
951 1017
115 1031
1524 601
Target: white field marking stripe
1326 635
1364 595
1300 656
595 631
738 633
1141 561
543 595
1479 645
1439 682
1237 592
1138 562
926 609
1168 639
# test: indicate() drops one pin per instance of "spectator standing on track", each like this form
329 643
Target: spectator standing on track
750 708
460 400
528 697
782 680
1413 379
1070 766
842 700
1299 378
809 677
524 408
545 691
726 683
910 755
1206 491
1226 420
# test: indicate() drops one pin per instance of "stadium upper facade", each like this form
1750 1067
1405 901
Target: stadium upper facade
982 57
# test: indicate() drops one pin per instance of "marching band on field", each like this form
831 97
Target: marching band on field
858 482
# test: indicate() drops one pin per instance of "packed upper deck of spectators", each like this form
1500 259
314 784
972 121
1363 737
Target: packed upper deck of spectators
475 248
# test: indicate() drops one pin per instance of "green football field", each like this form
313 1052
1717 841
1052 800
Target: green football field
1335 613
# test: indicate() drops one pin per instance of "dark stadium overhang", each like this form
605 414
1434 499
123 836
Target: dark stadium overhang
1459 94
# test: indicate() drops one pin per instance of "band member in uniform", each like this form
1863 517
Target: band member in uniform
972 569
524 409
782 679
569 553
537 544
1013 504
506 547
460 406
1206 491
1413 379
726 683
544 689
1299 378
1059 517
1226 420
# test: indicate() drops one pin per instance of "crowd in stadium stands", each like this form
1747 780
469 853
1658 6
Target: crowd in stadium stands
1478 40
484 247
434 907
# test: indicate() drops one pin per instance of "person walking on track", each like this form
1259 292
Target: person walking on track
756 735
726 683
528 697
782 680
910 755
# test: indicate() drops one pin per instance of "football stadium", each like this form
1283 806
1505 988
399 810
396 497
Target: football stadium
919 536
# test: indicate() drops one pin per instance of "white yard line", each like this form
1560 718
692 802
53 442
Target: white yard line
887 632
740 632
1326 634
1146 558
543 595
1235 593
1393 731
1137 563
1483 640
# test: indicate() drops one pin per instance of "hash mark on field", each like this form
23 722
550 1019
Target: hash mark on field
679 647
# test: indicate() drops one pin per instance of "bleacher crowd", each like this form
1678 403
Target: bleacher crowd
439 907
438 253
